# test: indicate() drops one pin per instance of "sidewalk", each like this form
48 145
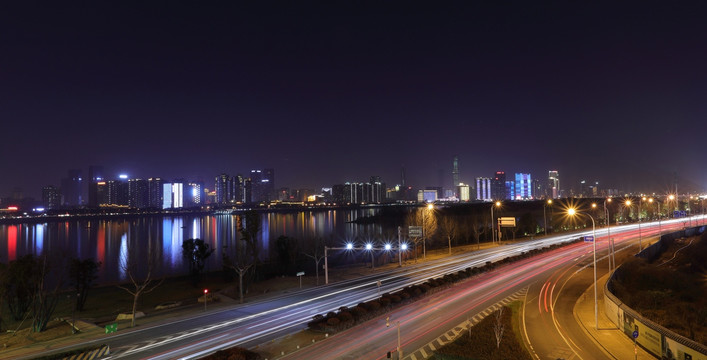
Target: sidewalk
609 338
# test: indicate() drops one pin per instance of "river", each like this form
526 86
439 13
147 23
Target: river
113 241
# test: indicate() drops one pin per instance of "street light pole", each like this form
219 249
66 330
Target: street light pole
611 258
548 203
572 212
397 324
326 267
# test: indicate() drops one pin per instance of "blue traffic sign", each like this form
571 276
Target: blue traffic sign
589 239
635 334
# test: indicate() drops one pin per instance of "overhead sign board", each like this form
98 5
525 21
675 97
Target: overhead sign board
301 273
415 231
508 221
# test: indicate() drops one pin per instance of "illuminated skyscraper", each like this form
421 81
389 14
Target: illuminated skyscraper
256 186
483 189
553 186
523 187
463 191
268 185
222 189
455 173
138 193
155 192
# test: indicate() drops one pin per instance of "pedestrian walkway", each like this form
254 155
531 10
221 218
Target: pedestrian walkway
614 343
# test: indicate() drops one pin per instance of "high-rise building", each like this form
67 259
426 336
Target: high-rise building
523 187
222 187
553 186
463 191
510 190
268 185
167 196
71 188
178 194
498 186
155 191
256 186
427 196
455 174
95 175
193 194
138 193
483 189
51 197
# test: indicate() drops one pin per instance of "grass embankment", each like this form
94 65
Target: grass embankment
670 289
480 341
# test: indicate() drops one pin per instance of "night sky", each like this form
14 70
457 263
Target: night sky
338 91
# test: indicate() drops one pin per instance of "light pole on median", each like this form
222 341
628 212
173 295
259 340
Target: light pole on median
349 246
612 260
397 324
573 212
548 203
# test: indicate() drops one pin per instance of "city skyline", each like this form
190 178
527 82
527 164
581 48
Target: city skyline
338 92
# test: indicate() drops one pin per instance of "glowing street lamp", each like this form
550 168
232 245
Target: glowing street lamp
572 212
612 260
548 203
369 247
493 223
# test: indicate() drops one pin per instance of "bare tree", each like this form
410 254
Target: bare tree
477 229
241 267
450 230
499 326
45 299
140 285
317 254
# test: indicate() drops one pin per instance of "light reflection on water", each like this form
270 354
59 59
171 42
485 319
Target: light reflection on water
113 241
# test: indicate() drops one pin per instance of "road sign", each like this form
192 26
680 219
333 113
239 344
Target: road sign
111 328
301 273
508 221
635 334
415 231
589 238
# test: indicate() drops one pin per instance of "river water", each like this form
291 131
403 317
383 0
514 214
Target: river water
114 241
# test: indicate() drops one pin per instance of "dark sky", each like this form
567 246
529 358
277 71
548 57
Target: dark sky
336 91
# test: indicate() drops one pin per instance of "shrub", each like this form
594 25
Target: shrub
359 312
395 299
385 301
333 322
346 317
373 306
404 295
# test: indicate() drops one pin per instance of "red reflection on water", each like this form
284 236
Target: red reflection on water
12 243
101 244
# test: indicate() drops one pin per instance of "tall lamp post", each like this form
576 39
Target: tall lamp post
493 223
547 203
612 260
628 205
397 324
425 225
572 212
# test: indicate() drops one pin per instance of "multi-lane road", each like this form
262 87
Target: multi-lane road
537 280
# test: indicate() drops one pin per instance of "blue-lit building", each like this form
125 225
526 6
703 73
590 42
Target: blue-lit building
523 187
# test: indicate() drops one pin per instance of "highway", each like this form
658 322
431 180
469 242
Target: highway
420 322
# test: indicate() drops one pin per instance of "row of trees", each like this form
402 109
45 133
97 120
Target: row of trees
31 286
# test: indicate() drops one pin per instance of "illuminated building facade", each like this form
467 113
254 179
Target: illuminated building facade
523 187
138 193
463 191
553 184
483 189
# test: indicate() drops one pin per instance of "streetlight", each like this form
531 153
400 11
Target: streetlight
426 214
573 212
628 204
206 291
608 234
548 203
397 324
493 226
